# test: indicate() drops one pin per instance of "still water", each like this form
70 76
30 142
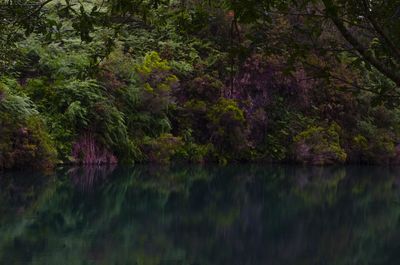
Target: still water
190 215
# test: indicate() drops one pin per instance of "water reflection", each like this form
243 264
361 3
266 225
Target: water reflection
198 215
85 178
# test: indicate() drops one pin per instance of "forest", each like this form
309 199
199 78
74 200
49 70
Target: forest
85 82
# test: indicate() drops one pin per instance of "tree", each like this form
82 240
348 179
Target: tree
370 28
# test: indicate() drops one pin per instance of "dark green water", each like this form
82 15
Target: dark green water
201 216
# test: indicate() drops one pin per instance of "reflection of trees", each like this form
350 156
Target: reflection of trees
86 177
20 190
196 215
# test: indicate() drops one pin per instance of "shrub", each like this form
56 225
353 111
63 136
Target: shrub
227 126
319 146
205 88
195 153
24 140
373 144
146 102
192 151
162 149
156 82
87 151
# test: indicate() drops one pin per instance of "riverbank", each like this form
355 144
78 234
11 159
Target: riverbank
162 93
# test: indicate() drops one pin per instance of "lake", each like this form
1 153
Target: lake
193 215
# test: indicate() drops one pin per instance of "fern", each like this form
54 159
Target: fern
18 105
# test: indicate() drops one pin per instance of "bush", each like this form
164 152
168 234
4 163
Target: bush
373 144
157 82
319 146
24 141
154 97
205 88
162 149
227 126
75 107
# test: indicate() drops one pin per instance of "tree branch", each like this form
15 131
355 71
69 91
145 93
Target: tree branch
392 74
384 38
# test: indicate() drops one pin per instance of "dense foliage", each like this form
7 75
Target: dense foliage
101 82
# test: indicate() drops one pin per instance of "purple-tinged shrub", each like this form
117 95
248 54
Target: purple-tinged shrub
268 95
87 151
260 79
